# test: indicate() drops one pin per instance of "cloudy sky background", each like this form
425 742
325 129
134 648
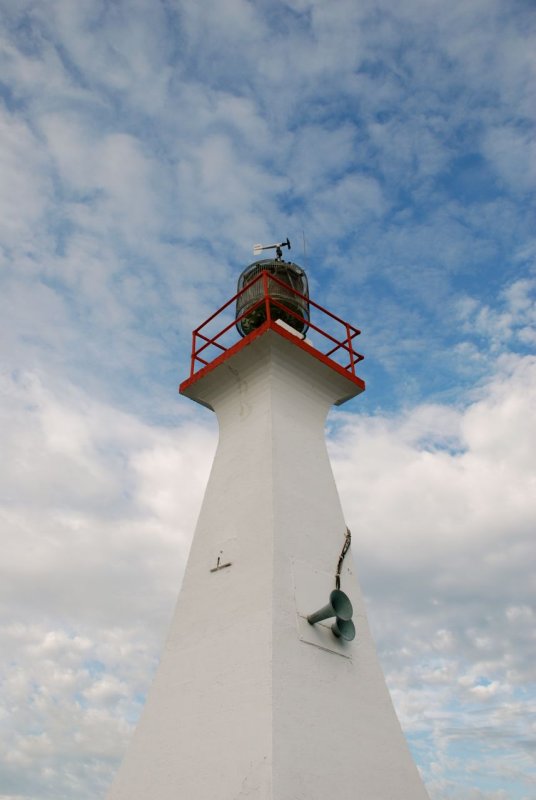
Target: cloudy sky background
145 146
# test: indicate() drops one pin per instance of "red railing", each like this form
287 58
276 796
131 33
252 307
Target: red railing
337 333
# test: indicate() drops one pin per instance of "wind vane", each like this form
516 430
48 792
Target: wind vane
258 248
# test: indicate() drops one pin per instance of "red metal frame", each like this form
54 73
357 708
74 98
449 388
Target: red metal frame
200 341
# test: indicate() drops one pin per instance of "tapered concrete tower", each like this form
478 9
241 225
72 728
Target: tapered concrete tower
251 700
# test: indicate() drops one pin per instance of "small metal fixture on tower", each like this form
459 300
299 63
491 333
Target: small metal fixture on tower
291 305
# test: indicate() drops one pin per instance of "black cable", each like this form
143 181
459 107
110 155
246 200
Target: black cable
345 548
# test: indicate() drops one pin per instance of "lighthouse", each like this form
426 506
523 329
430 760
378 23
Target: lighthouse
269 686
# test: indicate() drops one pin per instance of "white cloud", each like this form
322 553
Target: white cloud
513 153
111 183
98 510
25 187
144 148
510 320
442 506
427 494
350 201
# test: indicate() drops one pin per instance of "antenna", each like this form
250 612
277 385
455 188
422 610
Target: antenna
258 248
304 250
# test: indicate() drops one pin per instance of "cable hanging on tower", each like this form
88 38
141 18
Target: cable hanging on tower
345 548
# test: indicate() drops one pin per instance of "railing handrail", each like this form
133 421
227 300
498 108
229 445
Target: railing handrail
265 276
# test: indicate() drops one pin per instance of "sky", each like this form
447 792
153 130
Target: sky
145 147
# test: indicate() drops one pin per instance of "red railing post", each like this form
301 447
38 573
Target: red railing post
192 360
350 349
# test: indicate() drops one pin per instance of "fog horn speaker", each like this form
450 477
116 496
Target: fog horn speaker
339 606
343 629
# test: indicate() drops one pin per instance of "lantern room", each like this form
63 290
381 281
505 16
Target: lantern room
289 296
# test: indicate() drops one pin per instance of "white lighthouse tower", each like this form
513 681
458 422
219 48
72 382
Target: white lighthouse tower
253 701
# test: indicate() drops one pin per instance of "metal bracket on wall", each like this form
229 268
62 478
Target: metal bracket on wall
220 566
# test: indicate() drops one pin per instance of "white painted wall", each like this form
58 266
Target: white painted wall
249 700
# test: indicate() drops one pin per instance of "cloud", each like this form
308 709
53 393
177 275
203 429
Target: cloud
80 478
509 322
97 514
513 153
144 148
101 504
25 187
441 504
